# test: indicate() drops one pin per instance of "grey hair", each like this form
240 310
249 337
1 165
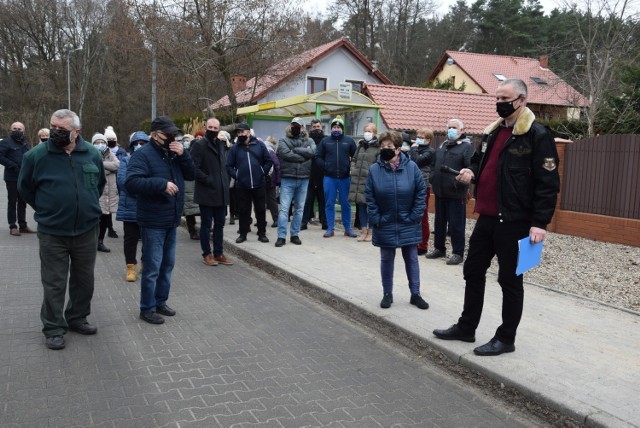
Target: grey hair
64 113
460 123
518 85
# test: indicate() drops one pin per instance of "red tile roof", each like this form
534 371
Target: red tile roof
405 107
482 69
282 71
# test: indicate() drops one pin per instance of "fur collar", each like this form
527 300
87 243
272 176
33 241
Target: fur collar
522 125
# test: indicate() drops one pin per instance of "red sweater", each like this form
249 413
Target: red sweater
487 183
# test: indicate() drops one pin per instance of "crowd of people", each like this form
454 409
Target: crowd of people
166 175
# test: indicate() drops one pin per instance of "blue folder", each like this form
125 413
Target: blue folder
529 255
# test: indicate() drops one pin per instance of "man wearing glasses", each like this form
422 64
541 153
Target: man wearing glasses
62 179
156 175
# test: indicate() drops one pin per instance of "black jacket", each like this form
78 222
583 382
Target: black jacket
11 153
528 179
212 180
456 155
248 164
333 155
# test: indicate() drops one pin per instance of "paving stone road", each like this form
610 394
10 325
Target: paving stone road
243 351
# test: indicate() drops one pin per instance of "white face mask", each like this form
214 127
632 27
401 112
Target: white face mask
368 136
186 144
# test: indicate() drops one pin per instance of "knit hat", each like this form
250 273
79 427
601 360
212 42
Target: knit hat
338 121
110 134
98 136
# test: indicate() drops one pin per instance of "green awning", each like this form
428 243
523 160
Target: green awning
316 105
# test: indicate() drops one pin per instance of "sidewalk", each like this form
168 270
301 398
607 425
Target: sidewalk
573 354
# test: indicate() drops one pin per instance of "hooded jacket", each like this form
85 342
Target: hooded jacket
109 198
63 188
528 179
296 155
365 156
148 172
455 154
248 164
395 203
333 155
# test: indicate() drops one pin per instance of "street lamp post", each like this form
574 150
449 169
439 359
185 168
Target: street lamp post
69 51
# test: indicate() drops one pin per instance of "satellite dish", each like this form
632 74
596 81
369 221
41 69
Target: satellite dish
450 61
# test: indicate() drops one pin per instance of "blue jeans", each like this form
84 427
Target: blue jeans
158 259
410 256
363 216
291 190
340 187
218 216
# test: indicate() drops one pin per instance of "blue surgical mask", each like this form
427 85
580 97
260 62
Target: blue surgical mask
137 147
420 141
186 144
452 133
101 147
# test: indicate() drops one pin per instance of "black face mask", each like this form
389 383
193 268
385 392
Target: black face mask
387 154
42 140
170 139
60 137
211 135
316 133
111 144
295 131
506 108
17 136
242 139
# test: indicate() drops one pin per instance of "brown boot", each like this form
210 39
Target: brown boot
369 236
131 273
363 236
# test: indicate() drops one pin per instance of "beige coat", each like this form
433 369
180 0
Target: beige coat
109 198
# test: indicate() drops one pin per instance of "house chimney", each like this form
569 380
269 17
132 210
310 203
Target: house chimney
238 83
544 61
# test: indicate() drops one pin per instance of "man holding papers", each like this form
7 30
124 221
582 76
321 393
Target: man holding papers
515 169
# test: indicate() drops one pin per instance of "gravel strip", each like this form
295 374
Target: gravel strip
601 271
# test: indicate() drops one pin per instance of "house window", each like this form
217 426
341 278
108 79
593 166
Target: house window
500 77
356 85
538 80
316 84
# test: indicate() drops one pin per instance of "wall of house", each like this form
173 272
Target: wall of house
460 77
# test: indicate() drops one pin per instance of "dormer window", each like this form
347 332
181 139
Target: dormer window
538 80
500 77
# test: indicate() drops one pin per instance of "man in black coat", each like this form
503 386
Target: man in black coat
211 191
12 149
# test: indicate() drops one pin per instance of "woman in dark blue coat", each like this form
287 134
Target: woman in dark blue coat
395 193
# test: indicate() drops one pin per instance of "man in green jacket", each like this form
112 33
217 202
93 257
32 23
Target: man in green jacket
62 179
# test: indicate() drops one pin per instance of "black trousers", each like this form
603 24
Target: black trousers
131 238
245 198
314 192
492 237
16 206
66 259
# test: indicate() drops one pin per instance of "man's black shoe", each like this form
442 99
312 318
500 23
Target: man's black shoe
85 328
263 238
280 242
103 248
112 234
240 239
295 240
422 252
494 347
165 310
54 342
386 301
274 224
436 254
232 221
325 227
454 333
303 226
151 317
